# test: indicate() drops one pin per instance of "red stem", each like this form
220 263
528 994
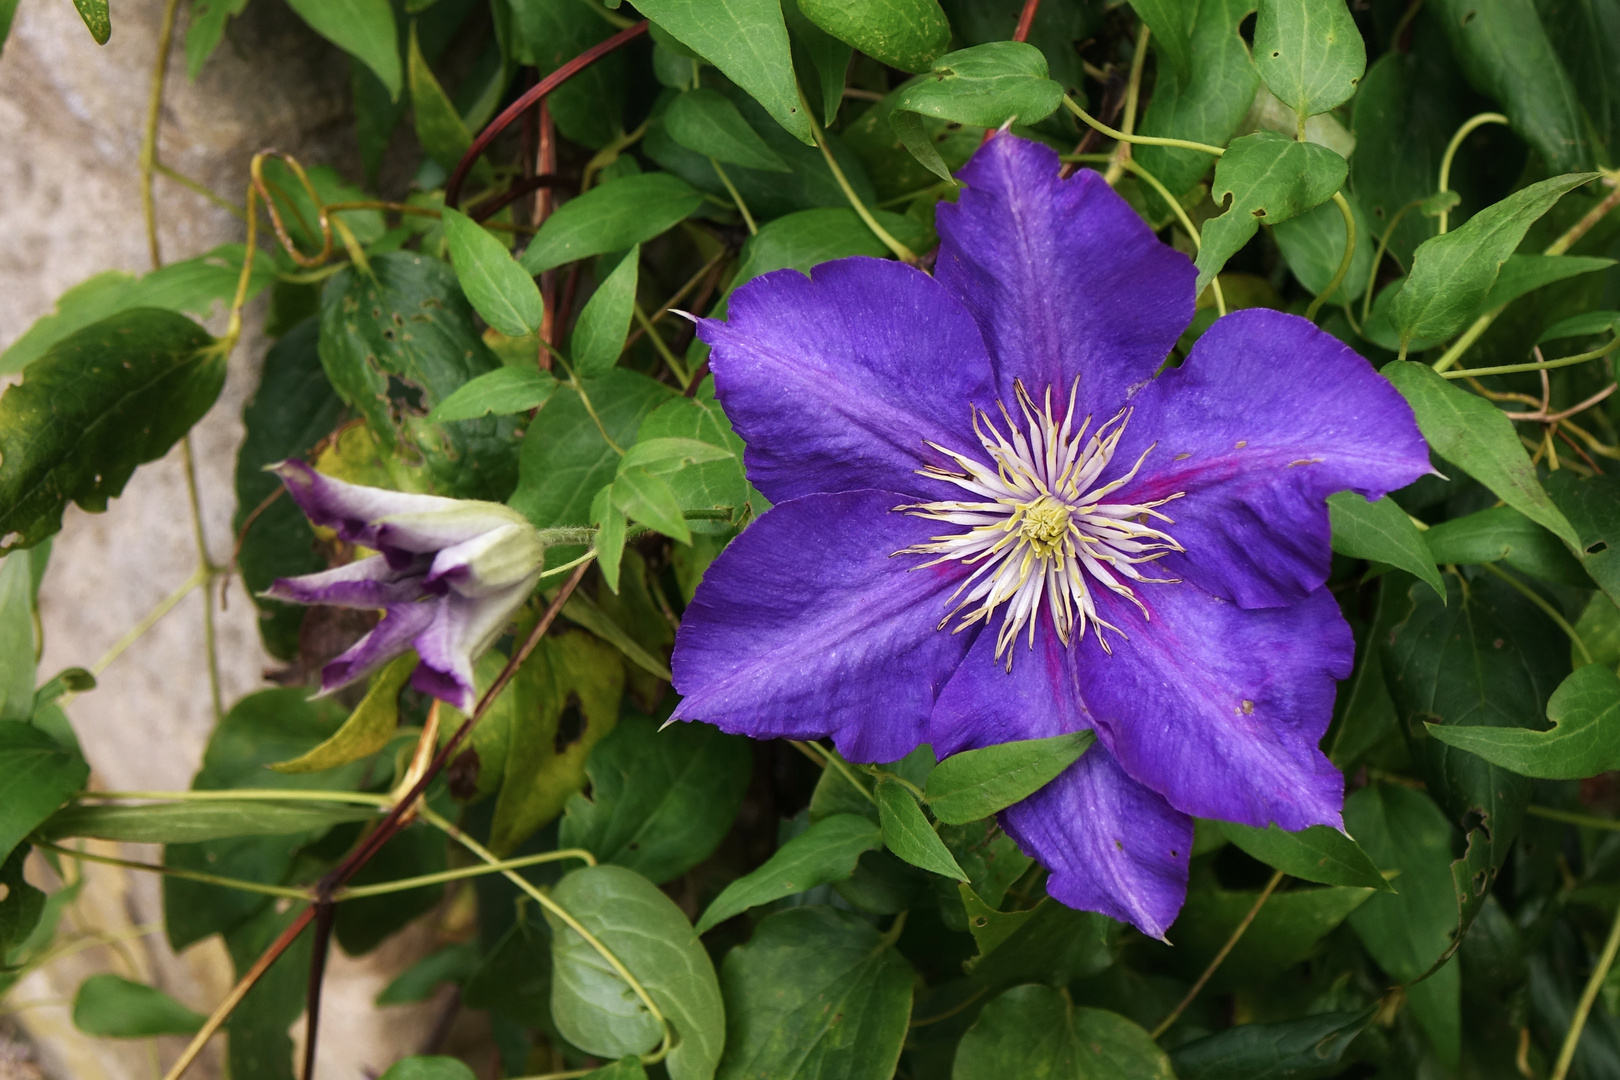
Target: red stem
452 190
1025 19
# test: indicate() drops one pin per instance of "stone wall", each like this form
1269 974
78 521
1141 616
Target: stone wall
71 120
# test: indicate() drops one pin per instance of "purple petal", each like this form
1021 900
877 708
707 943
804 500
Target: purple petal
1266 419
388 639
350 509
1064 279
984 704
1112 845
365 583
1220 708
461 629
806 627
837 382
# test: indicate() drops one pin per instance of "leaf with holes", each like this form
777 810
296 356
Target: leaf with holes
987 86
1309 53
1264 177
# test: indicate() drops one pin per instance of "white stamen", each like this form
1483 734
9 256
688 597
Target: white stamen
1036 528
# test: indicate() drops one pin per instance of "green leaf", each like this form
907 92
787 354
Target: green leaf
1592 506
261 728
604 324
907 34
645 498
1055 945
292 410
706 122
1453 274
36 776
827 851
1313 245
1264 177
1502 534
1583 741
990 928
747 40
192 822
113 1007
711 478
1034 1031
828 58
204 30
816 994
368 729
1526 273
96 19
662 455
1381 532
1209 105
986 85
802 239
428 1068
500 290
610 524
440 129
913 135
21 908
1309 53
397 342
505 391
112 396
451 964
660 801
584 611
975 784
613 217
906 832
194 286
362 28
626 1068
1311 1046
1171 24
1489 657
1288 930
650 936
514 980
17 645
1407 931
566 699
1319 853
1586 324
1505 52
1468 430
589 107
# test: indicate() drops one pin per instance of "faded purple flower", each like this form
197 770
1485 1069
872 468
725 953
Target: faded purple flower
993 522
450 575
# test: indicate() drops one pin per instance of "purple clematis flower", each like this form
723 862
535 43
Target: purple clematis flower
450 575
993 523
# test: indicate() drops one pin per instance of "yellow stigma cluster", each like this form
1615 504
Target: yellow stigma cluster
1038 529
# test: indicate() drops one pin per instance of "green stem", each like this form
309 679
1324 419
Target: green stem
245 794
1566 1053
675 366
1454 352
201 189
901 251
585 399
1451 151
1540 365
178 872
1344 263
1140 140
587 557
1585 821
357 891
1133 90
832 758
1547 609
736 197
1231 943
134 633
149 139
206 568
1378 257
539 897
609 153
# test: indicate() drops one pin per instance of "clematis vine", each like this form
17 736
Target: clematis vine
449 575
992 522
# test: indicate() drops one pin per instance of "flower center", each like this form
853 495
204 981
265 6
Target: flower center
1037 529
